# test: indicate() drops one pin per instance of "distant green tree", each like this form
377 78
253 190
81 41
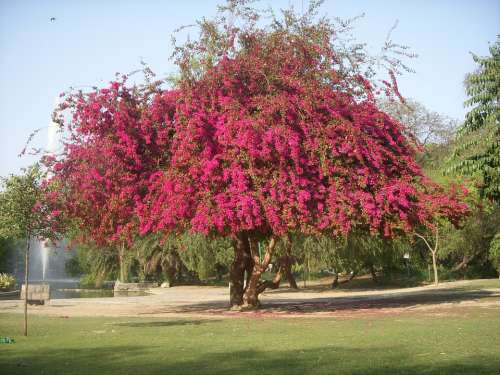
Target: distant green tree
467 250
23 216
495 252
478 149
204 255
94 264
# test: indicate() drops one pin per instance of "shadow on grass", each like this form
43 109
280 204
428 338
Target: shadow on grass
150 360
167 323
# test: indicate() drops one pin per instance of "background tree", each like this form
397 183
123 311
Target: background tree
22 216
495 252
433 131
466 250
93 264
478 150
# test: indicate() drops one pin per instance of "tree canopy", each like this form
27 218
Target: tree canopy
478 152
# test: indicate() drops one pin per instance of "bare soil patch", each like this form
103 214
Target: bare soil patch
212 302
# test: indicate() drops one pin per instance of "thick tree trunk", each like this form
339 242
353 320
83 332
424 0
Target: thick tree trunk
26 281
237 271
255 287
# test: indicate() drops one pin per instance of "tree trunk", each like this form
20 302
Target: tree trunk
433 252
335 282
287 261
289 275
249 264
373 273
170 267
255 287
237 271
434 266
26 281
121 260
351 276
464 263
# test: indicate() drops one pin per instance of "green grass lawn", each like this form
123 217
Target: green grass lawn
420 343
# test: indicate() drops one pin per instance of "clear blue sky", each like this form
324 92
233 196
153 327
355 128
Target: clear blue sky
91 40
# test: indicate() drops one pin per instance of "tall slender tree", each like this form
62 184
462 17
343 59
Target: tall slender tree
24 217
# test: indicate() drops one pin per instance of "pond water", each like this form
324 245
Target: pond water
80 293
70 289
91 293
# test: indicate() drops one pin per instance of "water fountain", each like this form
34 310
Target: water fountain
44 249
52 147
48 259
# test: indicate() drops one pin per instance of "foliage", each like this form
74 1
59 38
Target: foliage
276 136
495 252
95 264
7 281
207 257
23 214
465 250
433 131
116 138
478 152
4 253
359 252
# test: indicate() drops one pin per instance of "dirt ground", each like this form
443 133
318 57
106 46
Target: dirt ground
316 301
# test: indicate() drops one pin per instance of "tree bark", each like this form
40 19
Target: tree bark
287 262
433 252
289 274
255 287
434 266
237 271
373 273
274 284
26 281
464 263
335 282
121 260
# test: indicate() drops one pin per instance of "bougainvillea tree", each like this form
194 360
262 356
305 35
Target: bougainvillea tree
276 136
269 131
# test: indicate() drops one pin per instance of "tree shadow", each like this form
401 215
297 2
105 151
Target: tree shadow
151 360
376 302
166 323
359 302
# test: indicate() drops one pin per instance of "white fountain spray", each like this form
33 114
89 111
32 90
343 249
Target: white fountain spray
52 145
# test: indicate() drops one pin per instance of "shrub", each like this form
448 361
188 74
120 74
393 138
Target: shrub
7 281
